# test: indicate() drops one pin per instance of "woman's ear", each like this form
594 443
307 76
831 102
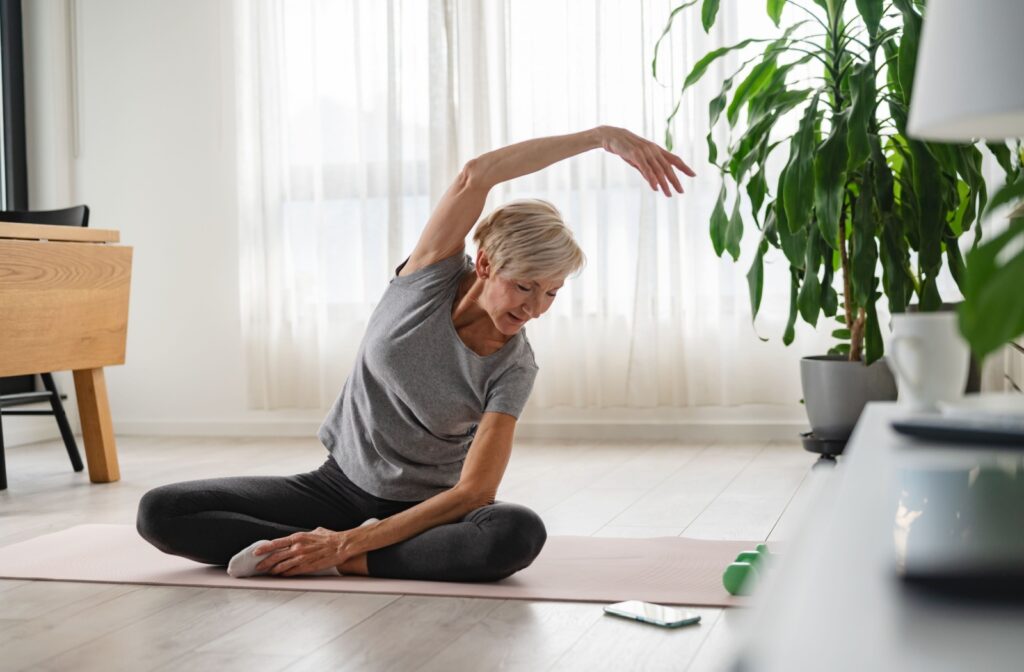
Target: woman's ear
483 264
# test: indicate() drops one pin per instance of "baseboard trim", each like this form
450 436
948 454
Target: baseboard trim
21 431
704 424
587 430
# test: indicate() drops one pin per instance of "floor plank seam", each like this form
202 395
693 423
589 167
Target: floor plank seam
719 493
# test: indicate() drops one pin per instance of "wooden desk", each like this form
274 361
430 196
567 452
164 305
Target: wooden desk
64 306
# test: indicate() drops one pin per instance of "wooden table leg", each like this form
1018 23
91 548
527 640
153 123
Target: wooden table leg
97 427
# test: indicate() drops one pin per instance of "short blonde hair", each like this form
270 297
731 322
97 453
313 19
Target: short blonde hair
527 239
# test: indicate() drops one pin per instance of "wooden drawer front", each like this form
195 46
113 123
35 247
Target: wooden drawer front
63 306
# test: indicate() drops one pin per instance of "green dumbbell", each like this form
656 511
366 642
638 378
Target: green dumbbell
738 578
747 566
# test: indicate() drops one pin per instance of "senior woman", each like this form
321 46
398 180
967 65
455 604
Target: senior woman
421 433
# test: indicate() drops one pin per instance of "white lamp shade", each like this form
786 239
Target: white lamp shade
969 81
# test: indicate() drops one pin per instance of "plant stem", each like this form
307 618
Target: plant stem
857 335
844 255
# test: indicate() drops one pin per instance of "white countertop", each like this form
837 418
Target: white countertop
834 601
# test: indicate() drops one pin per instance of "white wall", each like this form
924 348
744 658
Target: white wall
131 112
155 160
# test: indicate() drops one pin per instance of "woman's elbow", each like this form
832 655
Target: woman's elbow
474 498
476 174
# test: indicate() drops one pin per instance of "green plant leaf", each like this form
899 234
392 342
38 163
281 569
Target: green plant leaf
1002 154
1011 191
830 181
969 165
775 10
734 231
829 298
751 146
841 333
793 243
864 253
708 11
907 61
756 80
862 111
701 67
809 299
871 11
896 278
757 187
755 279
794 287
798 194
955 261
891 49
873 345
715 108
928 184
664 32
992 312
882 183
719 222
774 96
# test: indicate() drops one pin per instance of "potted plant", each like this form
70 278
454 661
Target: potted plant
857 203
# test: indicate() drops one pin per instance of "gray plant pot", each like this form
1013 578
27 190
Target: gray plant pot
836 391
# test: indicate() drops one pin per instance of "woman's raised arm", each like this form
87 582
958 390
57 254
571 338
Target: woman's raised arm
653 162
460 207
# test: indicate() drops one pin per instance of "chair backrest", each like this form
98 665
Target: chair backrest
74 216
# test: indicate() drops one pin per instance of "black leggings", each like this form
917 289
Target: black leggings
210 520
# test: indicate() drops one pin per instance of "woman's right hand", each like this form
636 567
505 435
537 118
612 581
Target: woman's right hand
654 163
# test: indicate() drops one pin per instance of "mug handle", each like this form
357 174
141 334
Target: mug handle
895 359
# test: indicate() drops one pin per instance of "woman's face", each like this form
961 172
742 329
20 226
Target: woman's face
512 303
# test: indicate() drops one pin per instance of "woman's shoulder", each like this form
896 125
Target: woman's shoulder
419 261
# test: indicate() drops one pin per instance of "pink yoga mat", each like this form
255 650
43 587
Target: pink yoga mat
666 570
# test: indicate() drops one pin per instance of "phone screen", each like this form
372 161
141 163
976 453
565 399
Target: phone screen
653 613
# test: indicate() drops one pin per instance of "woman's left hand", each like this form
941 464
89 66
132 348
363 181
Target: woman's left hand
307 552
656 164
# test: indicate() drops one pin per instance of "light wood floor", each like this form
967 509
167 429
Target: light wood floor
737 491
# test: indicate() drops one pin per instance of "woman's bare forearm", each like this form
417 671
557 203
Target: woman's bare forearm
446 507
523 158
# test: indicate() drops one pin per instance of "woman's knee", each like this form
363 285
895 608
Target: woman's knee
517 536
156 509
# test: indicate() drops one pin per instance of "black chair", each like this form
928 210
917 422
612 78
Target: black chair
21 390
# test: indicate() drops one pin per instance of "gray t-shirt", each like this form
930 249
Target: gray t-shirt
408 412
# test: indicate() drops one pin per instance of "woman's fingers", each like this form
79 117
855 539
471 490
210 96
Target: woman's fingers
643 170
659 174
657 165
666 167
679 163
269 562
275 545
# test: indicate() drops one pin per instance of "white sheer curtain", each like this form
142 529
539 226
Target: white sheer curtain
355 116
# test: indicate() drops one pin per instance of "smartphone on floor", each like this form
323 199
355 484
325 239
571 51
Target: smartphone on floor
655 614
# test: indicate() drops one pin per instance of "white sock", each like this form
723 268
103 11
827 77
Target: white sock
243 563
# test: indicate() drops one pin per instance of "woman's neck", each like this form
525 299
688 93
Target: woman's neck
471 321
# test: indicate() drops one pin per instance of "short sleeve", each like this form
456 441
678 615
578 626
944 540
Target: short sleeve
511 391
434 277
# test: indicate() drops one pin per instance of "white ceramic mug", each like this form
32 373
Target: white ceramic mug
929 358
